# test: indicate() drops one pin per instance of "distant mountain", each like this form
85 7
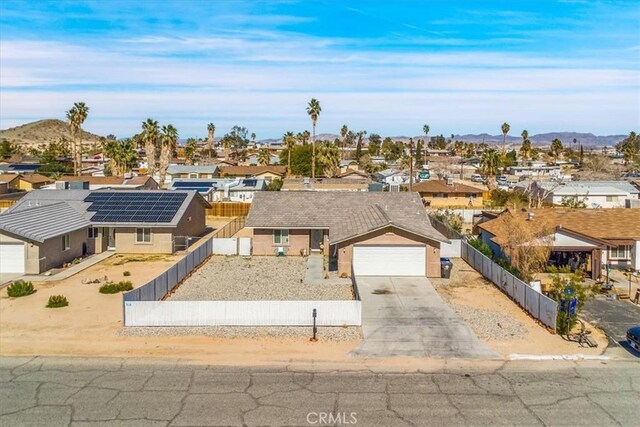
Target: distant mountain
43 132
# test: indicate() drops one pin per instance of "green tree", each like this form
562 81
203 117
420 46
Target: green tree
169 140
76 116
489 164
190 150
419 154
300 159
505 130
374 144
7 149
274 185
264 157
391 150
343 133
328 158
556 149
211 130
313 110
425 129
150 136
122 156
289 142
572 285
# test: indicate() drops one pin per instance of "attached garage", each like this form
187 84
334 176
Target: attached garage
12 258
389 260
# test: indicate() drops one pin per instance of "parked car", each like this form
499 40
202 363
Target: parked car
633 337
476 177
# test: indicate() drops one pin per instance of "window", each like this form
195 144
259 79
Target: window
92 233
619 252
471 195
143 235
193 175
612 198
281 237
66 242
441 195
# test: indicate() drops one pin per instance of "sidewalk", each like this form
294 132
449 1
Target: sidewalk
70 271
315 272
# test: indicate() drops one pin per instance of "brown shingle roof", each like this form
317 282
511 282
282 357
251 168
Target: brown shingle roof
94 180
252 170
604 224
345 214
36 178
8 177
325 184
440 186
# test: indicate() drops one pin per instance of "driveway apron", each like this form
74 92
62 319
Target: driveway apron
405 316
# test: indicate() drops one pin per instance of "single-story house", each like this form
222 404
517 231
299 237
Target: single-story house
447 193
325 184
253 160
21 168
140 182
354 174
47 228
535 169
594 194
32 181
392 176
361 233
222 189
268 173
4 187
12 181
192 172
588 237
349 165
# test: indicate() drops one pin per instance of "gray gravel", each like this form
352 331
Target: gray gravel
235 278
490 325
335 333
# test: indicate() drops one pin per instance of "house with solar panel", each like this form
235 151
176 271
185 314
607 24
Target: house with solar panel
47 228
222 189
191 171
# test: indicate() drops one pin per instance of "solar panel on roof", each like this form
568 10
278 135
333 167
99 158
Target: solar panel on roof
134 207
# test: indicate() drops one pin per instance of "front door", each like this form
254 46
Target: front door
596 269
111 235
316 240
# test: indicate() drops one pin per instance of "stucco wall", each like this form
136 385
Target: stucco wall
389 237
263 242
453 201
161 241
193 222
52 250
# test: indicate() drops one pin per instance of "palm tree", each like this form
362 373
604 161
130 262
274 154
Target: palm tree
313 110
556 148
425 129
190 150
505 130
122 156
264 157
489 164
525 149
150 135
76 116
343 133
211 128
169 137
289 141
328 158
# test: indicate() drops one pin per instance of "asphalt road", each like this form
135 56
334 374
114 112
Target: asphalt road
123 392
614 317
405 316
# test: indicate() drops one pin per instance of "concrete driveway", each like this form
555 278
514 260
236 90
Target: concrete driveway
614 318
404 316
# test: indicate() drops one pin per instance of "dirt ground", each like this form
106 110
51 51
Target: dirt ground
468 289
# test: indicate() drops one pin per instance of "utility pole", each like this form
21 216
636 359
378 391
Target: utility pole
410 165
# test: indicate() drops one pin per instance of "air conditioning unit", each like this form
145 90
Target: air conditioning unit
280 251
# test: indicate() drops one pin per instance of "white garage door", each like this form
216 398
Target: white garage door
389 260
11 258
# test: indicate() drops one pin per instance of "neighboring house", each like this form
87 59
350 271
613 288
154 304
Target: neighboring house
268 173
354 174
392 176
348 165
222 189
33 181
365 233
441 193
325 184
140 182
535 169
47 228
579 237
436 152
4 187
21 168
594 194
192 172
11 180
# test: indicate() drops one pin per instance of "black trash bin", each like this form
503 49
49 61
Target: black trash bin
445 268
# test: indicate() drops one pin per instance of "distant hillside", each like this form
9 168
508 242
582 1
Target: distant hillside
42 132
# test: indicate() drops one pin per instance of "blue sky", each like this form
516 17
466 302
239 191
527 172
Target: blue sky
380 66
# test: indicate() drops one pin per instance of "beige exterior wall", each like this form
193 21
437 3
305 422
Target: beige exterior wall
98 244
389 236
4 187
193 222
161 241
263 242
452 200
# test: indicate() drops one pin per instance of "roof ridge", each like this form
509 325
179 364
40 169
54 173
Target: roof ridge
384 214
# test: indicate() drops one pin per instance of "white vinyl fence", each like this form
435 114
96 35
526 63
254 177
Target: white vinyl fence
538 305
242 313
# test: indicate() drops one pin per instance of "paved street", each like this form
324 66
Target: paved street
405 316
79 392
614 317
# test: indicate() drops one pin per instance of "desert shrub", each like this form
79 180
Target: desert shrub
481 246
20 288
126 273
511 269
75 261
564 289
56 301
114 288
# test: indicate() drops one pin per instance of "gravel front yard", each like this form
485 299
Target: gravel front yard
235 278
334 333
